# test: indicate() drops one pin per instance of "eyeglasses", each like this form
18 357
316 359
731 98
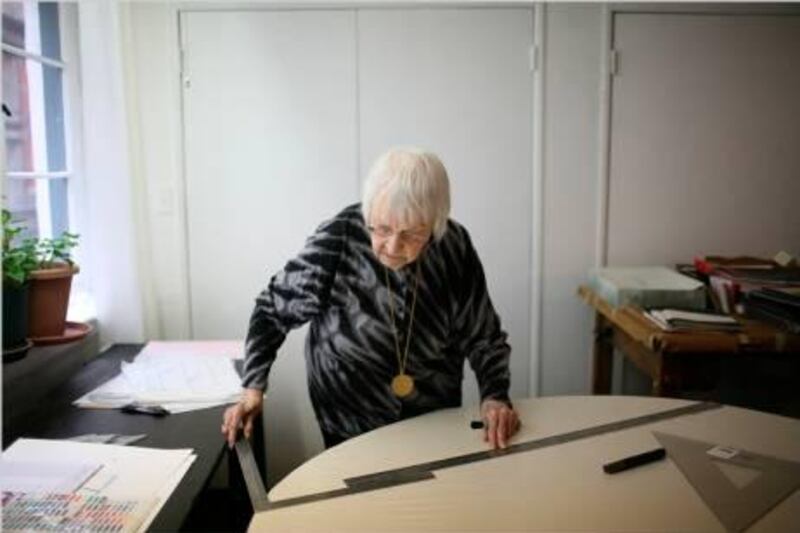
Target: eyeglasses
417 236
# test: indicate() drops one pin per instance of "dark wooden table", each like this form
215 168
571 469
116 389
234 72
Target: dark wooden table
198 430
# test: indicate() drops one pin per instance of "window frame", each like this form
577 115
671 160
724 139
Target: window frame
70 99
81 306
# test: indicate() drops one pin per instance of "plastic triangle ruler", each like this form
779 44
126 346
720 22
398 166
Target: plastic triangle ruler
739 486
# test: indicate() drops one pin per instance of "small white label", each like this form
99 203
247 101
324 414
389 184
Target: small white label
723 452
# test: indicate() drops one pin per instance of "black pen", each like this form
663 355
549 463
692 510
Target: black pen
635 460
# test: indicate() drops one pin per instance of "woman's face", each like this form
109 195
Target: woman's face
396 243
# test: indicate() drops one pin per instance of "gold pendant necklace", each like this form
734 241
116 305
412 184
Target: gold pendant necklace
402 383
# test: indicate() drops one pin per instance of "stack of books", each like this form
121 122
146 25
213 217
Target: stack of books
779 306
679 320
732 280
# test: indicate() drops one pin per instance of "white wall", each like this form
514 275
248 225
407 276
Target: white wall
572 58
109 186
715 170
155 56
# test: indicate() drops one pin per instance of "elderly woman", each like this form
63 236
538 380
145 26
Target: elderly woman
396 297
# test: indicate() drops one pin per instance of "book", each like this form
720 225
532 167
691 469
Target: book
788 296
647 287
777 306
780 277
708 264
731 286
681 320
773 315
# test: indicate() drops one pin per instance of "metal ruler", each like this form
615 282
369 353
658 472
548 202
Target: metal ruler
252 479
423 471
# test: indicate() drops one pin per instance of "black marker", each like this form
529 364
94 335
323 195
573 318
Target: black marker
140 409
634 461
476 424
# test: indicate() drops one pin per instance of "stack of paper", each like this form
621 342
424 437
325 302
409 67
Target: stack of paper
677 320
89 487
177 376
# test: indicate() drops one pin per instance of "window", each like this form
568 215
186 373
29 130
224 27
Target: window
36 133
39 89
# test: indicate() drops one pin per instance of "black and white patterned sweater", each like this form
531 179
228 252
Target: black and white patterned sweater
338 285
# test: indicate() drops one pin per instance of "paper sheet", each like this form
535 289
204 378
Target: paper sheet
182 378
230 349
179 376
45 476
23 513
128 473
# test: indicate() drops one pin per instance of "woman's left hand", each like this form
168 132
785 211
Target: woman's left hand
500 423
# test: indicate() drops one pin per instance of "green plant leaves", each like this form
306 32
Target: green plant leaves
32 254
56 250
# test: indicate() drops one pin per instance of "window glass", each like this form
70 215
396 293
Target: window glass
14 24
32 27
32 92
19 147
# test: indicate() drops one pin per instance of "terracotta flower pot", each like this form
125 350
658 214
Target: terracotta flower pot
49 299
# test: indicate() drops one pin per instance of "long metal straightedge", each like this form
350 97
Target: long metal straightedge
252 479
423 471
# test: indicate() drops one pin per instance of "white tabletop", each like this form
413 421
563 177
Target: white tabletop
556 488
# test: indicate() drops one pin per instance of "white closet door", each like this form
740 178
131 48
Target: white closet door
705 137
270 151
458 82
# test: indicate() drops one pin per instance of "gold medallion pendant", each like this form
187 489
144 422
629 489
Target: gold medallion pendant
402 385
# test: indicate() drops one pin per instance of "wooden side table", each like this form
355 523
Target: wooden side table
672 360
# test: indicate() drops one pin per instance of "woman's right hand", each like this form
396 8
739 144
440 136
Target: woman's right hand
242 414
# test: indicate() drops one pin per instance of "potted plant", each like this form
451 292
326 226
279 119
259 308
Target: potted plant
50 284
18 263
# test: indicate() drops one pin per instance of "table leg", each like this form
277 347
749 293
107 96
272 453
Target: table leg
602 356
648 361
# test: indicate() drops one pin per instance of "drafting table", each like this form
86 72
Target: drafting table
561 487
199 430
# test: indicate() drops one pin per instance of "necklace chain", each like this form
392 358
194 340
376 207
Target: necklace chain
402 359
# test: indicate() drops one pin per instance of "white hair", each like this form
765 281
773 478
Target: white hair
416 185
